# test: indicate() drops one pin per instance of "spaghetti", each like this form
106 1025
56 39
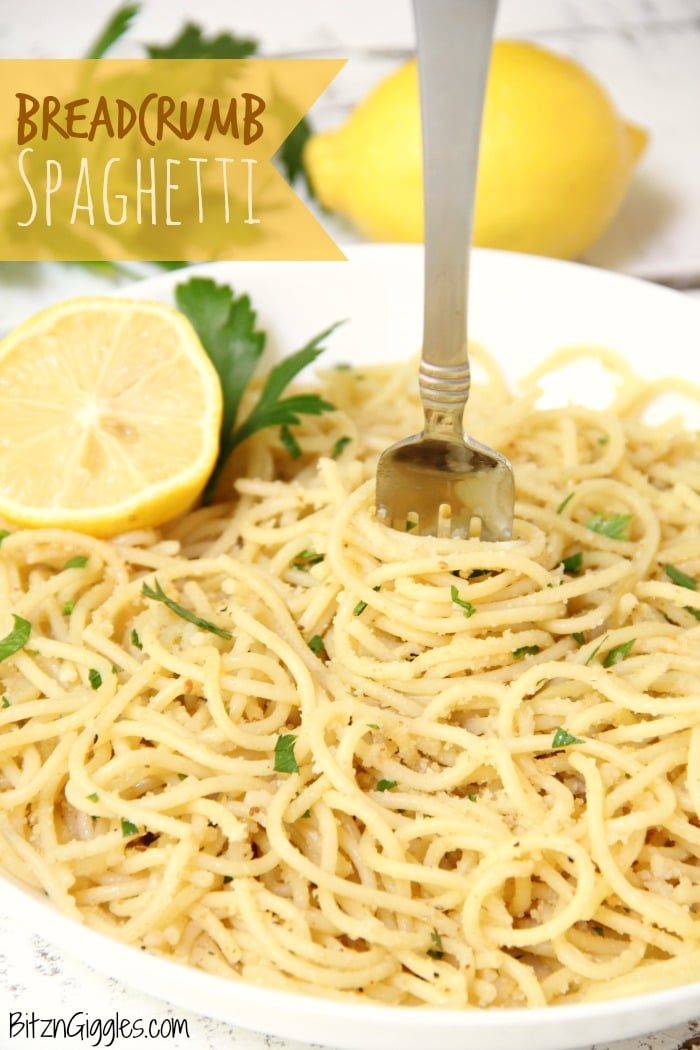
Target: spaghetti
368 764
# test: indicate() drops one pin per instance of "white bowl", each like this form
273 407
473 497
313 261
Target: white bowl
521 309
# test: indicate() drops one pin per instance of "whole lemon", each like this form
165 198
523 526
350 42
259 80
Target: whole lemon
554 164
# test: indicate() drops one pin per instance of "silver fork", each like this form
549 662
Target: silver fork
441 481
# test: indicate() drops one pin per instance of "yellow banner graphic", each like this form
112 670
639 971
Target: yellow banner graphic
154 159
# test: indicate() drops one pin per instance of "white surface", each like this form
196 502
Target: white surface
522 308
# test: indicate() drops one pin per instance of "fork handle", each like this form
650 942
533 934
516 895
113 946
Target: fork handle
454 40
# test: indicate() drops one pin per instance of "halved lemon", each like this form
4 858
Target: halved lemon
110 412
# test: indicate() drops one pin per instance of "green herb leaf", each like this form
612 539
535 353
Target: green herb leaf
562 738
692 611
273 410
341 444
306 558
291 153
564 502
225 324
362 605
95 678
290 443
4 533
191 43
316 645
680 578
67 608
285 761
113 31
437 952
228 878
579 636
618 653
373 725
5 701
385 785
467 607
158 595
525 650
591 656
128 828
598 930
78 562
410 525
94 797
16 639
135 640
615 526
572 564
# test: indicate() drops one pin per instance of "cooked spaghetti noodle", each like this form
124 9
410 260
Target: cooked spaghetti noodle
400 769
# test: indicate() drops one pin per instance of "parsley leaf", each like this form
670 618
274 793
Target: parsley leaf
95 678
564 502
340 444
306 558
115 29
562 738
285 761
291 153
591 655
525 650
385 785
129 828
191 43
135 640
615 526
290 443
16 639
158 595
362 605
437 952
273 410
225 324
317 645
78 562
467 607
618 653
4 533
572 564
680 578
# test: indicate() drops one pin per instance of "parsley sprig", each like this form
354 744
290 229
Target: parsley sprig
157 594
191 42
226 325
16 639
115 28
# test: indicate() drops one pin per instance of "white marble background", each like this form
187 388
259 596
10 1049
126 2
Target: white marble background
647 52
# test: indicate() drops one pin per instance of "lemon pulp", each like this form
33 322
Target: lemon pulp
110 414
